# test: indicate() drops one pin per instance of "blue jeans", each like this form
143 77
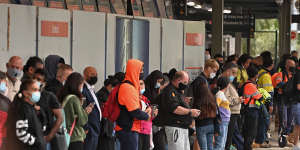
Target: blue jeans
296 113
128 140
205 135
48 146
263 124
285 118
221 139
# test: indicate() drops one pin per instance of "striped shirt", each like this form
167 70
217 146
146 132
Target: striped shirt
224 108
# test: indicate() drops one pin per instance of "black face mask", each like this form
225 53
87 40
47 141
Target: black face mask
92 80
292 69
182 86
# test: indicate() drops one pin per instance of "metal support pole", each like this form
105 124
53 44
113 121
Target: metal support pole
217 26
285 27
238 43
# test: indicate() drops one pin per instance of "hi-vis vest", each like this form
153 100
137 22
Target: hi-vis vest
265 81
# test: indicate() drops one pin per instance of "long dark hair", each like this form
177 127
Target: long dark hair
204 99
150 91
71 87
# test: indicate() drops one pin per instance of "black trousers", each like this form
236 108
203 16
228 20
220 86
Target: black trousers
144 142
160 140
250 127
233 120
76 146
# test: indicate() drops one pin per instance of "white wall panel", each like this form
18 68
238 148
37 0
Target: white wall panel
3 35
22 33
54 45
172 44
111 44
194 55
154 42
89 42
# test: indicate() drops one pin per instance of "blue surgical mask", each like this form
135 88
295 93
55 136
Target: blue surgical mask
38 83
35 97
14 73
142 91
157 85
3 87
231 78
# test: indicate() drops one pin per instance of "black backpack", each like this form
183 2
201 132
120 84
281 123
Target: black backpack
288 87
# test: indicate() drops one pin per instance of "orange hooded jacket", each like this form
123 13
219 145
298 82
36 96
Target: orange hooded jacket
128 94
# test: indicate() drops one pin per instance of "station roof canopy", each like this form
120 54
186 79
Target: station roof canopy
261 9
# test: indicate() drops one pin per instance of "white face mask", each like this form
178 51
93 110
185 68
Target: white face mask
212 75
207 57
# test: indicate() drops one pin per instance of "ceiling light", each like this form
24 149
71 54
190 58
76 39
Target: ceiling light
209 9
227 11
198 6
191 3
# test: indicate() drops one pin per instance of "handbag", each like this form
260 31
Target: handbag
59 140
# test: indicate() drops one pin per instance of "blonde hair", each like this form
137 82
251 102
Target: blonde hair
211 63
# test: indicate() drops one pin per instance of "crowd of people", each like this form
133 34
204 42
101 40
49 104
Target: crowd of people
46 105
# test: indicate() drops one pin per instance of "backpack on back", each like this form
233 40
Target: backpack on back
111 109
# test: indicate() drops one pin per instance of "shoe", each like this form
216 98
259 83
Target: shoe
265 145
288 144
255 145
232 147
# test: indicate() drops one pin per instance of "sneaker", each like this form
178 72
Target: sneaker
255 145
265 145
232 147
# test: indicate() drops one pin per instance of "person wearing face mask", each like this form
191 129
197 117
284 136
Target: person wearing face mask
52 109
152 84
210 69
280 81
145 140
207 55
56 84
32 64
93 125
23 124
175 113
230 72
4 106
14 72
106 137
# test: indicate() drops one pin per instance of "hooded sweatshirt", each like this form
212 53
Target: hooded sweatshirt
128 97
51 63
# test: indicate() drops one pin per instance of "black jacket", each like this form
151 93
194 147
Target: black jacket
24 127
169 100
